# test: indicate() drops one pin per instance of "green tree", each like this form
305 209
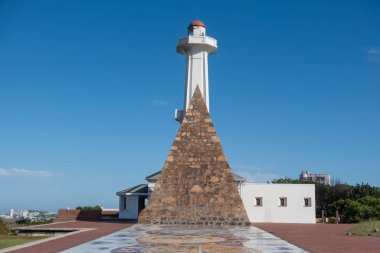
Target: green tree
287 180
371 207
350 210
364 190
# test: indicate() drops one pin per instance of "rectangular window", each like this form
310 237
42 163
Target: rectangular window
125 203
307 201
283 201
320 179
258 201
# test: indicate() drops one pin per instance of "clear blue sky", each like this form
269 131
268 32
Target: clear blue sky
88 91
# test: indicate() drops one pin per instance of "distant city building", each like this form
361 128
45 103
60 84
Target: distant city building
25 214
322 178
32 215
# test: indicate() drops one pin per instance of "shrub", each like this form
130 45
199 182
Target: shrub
23 221
369 201
97 207
351 212
28 222
4 228
331 219
366 212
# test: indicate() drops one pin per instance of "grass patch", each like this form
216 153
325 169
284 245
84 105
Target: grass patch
366 228
13 240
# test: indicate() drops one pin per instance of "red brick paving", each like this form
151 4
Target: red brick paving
102 228
324 238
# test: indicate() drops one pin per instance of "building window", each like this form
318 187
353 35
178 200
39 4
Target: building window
283 201
307 201
258 201
125 203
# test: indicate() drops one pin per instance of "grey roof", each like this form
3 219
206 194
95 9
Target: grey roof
154 177
238 178
141 188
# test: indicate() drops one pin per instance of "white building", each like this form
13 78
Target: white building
321 178
132 201
277 203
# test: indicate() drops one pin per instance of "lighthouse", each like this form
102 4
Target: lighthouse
196 185
197 46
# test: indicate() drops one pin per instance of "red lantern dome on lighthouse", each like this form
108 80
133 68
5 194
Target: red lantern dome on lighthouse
196 23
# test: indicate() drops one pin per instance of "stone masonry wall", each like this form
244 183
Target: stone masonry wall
196 185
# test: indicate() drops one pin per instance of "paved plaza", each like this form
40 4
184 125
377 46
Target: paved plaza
118 236
323 238
187 239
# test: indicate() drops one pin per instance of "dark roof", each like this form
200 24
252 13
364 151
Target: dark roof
154 177
141 188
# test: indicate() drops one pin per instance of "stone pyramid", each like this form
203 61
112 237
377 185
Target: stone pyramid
196 185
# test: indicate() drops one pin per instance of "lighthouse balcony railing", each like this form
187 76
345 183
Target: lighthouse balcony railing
197 39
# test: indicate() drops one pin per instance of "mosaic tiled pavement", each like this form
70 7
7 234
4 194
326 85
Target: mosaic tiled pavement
187 239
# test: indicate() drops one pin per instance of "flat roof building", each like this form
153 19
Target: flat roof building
321 178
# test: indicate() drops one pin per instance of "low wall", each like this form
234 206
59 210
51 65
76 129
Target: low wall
37 231
110 214
70 215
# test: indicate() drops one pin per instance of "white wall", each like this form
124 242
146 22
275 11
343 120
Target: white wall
131 211
270 211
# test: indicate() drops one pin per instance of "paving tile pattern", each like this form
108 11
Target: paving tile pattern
187 239
196 185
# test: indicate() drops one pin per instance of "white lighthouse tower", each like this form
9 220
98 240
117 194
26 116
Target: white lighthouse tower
197 47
